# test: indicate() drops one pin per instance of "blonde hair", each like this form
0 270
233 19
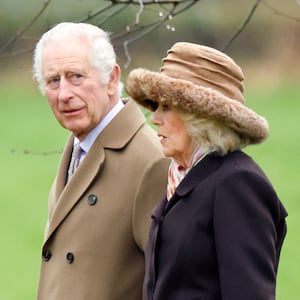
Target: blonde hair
212 134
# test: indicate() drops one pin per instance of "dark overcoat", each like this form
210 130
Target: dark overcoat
99 222
219 237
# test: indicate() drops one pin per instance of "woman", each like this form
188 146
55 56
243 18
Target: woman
219 231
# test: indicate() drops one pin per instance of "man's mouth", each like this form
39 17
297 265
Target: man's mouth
72 112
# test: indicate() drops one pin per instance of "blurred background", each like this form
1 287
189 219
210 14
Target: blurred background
267 49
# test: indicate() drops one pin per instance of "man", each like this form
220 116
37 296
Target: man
99 212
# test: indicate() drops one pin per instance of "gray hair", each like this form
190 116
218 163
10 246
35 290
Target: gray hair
102 55
212 134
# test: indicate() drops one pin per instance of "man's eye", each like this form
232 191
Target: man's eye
76 78
53 82
76 75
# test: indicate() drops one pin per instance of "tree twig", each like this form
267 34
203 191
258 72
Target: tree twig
242 27
100 11
132 34
140 32
148 2
279 13
38 153
20 33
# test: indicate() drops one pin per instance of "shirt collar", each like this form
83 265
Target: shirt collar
88 141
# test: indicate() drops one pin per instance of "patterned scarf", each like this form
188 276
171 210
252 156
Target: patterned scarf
177 172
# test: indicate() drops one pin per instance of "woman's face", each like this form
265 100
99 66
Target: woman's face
171 130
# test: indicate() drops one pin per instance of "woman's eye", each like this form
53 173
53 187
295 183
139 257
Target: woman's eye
165 107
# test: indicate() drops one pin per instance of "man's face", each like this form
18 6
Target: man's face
75 92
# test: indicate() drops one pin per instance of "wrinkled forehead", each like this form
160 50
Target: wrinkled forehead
65 51
65 42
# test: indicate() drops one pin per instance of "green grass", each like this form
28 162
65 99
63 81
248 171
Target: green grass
29 129
279 156
27 125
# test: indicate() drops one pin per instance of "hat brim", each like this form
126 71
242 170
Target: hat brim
147 87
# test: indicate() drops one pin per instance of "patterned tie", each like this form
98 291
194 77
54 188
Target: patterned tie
74 160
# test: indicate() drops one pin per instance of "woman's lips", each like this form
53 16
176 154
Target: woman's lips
162 138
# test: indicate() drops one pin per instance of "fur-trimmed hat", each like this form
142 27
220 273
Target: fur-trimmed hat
200 80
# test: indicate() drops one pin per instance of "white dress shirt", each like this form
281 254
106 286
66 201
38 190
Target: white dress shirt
88 141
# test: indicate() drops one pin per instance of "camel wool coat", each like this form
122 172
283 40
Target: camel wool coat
99 221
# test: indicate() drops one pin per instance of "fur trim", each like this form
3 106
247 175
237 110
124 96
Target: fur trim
144 86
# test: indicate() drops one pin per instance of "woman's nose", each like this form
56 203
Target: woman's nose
154 118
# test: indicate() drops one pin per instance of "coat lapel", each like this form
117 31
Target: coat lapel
197 174
68 195
114 136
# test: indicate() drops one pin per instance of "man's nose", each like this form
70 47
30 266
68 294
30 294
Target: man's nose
65 90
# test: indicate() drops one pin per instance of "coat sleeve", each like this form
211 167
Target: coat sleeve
247 214
151 189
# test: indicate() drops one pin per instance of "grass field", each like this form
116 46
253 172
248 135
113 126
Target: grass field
30 135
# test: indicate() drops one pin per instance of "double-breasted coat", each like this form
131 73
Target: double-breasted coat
99 221
219 237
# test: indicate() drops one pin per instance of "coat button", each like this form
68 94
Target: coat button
70 257
46 254
92 199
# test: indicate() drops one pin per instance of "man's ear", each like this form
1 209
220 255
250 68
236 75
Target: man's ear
113 84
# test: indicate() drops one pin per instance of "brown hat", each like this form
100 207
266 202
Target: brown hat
200 80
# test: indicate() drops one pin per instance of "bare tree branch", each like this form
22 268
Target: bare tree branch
138 15
107 13
149 2
137 31
140 31
38 153
20 33
105 10
253 9
279 13
242 27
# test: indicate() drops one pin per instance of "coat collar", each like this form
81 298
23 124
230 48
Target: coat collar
120 130
196 175
115 136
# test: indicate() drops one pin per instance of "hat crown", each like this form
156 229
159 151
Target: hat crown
206 67
202 81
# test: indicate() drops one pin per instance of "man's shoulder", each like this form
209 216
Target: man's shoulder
146 139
